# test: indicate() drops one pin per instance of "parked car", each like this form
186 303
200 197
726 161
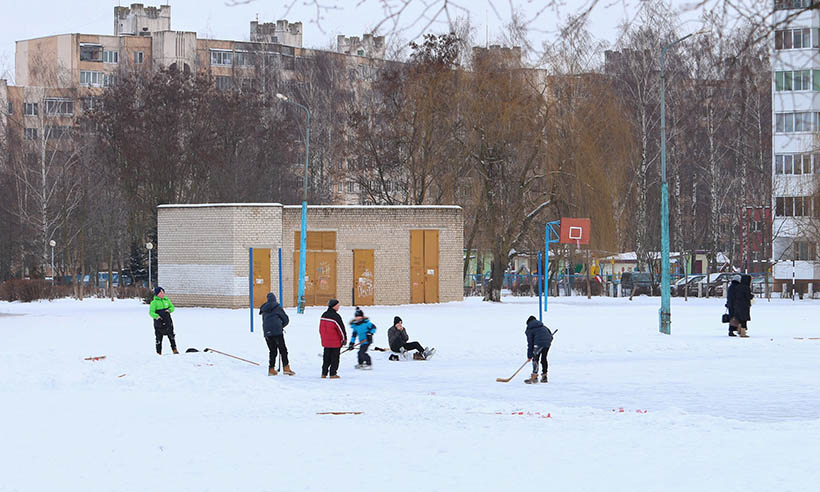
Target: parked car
759 285
678 288
636 283
712 284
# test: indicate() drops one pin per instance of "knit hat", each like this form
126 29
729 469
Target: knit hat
332 303
358 312
157 290
531 318
396 320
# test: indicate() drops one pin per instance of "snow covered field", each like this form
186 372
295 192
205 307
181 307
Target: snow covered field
716 413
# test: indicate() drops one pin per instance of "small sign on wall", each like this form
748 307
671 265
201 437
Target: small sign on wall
431 272
260 281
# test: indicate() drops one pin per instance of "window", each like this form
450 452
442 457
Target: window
351 187
803 250
30 109
788 206
791 4
11 107
243 58
799 211
91 52
139 57
30 134
817 207
340 188
224 83
360 52
57 131
796 163
91 79
109 79
90 103
221 57
795 122
59 107
111 56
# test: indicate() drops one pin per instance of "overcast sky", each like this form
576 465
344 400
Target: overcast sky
216 19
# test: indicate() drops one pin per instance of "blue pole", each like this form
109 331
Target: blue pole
538 271
280 277
250 281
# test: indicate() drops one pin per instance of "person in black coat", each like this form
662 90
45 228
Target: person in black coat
398 339
730 295
274 321
739 302
539 339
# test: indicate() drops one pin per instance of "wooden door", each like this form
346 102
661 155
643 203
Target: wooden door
261 275
363 277
324 278
416 267
310 293
430 266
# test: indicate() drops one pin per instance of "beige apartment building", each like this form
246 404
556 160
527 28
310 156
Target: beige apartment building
361 255
59 77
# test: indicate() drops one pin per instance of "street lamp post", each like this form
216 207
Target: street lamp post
300 307
149 247
52 243
665 312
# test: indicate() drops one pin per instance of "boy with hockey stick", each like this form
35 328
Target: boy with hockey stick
333 335
160 311
362 327
539 339
274 321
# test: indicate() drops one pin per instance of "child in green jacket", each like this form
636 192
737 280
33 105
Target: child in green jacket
160 310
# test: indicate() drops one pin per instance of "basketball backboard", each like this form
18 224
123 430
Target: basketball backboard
574 230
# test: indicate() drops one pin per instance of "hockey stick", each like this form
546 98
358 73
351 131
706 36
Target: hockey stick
343 351
229 355
507 380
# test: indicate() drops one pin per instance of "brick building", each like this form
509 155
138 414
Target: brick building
361 255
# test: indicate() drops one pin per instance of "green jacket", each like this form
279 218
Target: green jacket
158 304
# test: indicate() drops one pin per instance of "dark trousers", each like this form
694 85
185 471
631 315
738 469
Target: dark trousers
364 357
160 330
330 361
539 353
413 346
277 343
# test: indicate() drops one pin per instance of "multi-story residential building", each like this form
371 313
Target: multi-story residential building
60 76
796 153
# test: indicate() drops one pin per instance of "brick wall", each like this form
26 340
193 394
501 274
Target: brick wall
203 249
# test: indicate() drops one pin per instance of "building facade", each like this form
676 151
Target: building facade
796 154
360 255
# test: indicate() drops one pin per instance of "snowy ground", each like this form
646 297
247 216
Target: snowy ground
721 414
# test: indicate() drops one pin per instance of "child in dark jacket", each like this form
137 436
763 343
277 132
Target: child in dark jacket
362 327
274 321
539 339
398 339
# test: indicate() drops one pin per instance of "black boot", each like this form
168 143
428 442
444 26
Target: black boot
732 333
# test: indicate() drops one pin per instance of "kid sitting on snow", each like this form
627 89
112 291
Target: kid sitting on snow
160 310
539 339
398 338
364 329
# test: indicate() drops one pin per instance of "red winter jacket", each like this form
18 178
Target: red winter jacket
332 329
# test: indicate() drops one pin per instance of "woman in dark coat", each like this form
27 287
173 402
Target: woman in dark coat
739 302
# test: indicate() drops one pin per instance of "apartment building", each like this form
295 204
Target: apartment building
60 76
796 153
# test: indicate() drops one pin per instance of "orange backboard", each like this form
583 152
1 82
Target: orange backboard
574 231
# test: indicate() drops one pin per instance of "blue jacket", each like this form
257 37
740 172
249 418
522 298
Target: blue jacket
538 335
274 318
363 329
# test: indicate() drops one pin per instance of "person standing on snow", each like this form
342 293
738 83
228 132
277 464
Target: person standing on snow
730 295
160 310
739 302
362 327
539 339
274 321
334 337
398 338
